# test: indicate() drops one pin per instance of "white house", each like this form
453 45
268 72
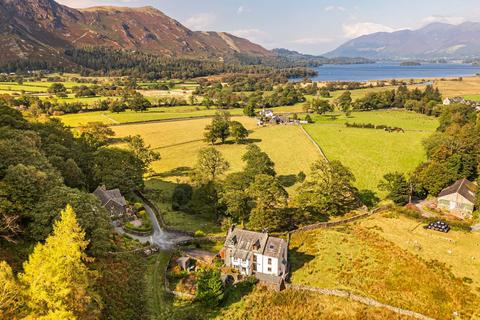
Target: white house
256 253
459 198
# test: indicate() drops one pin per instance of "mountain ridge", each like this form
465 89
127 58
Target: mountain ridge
436 40
43 29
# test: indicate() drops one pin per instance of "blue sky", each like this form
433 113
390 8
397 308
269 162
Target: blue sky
310 26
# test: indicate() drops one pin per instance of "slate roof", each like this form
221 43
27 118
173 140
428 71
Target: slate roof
463 187
105 196
245 242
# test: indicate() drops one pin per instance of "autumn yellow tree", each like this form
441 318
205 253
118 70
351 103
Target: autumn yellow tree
10 299
57 282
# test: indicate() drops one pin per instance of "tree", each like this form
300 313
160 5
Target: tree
210 165
57 88
10 293
328 191
235 197
144 153
117 106
210 289
56 277
249 110
397 187
139 103
257 162
238 131
95 134
91 216
118 168
270 200
308 119
219 128
345 102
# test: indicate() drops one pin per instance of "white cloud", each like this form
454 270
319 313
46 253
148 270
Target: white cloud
312 41
200 21
334 8
242 10
444 19
354 30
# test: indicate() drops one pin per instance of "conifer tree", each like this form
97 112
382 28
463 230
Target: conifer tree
56 278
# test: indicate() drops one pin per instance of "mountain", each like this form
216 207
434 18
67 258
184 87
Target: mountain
436 40
313 60
43 29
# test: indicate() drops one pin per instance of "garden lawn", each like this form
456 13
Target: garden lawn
356 259
457 249
371 153
152 114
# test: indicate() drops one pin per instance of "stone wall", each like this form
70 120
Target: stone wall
358 298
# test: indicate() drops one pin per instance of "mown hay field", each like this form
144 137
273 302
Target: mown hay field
371 153
359 260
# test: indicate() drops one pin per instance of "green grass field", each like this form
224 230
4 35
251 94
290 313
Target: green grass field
356 259
371 153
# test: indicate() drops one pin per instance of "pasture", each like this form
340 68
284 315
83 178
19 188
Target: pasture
152 114
459 250
179 142
359 260
371 153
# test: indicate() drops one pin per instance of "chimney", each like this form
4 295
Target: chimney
230 230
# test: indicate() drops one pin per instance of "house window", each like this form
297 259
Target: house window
269 260
254 258
269 269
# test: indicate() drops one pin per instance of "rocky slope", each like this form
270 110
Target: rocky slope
43 29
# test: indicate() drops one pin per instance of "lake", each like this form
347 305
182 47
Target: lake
387 71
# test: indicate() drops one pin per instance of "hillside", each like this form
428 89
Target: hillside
436 40
43 29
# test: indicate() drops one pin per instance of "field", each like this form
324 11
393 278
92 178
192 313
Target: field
359 260
458 250
179 142
152 114
371 153
453 88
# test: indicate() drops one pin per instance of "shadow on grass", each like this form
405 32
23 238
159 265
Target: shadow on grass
287 180
244 141
298 259
177 172
368 198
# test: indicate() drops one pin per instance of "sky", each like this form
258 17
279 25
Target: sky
308 26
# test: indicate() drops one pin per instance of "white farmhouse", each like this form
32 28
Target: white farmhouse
459 198
256 253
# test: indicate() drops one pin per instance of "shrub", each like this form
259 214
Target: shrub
199 234
137 206
181 196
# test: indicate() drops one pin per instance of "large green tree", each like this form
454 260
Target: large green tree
118 168
257 162
270 202
327 191
397 187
